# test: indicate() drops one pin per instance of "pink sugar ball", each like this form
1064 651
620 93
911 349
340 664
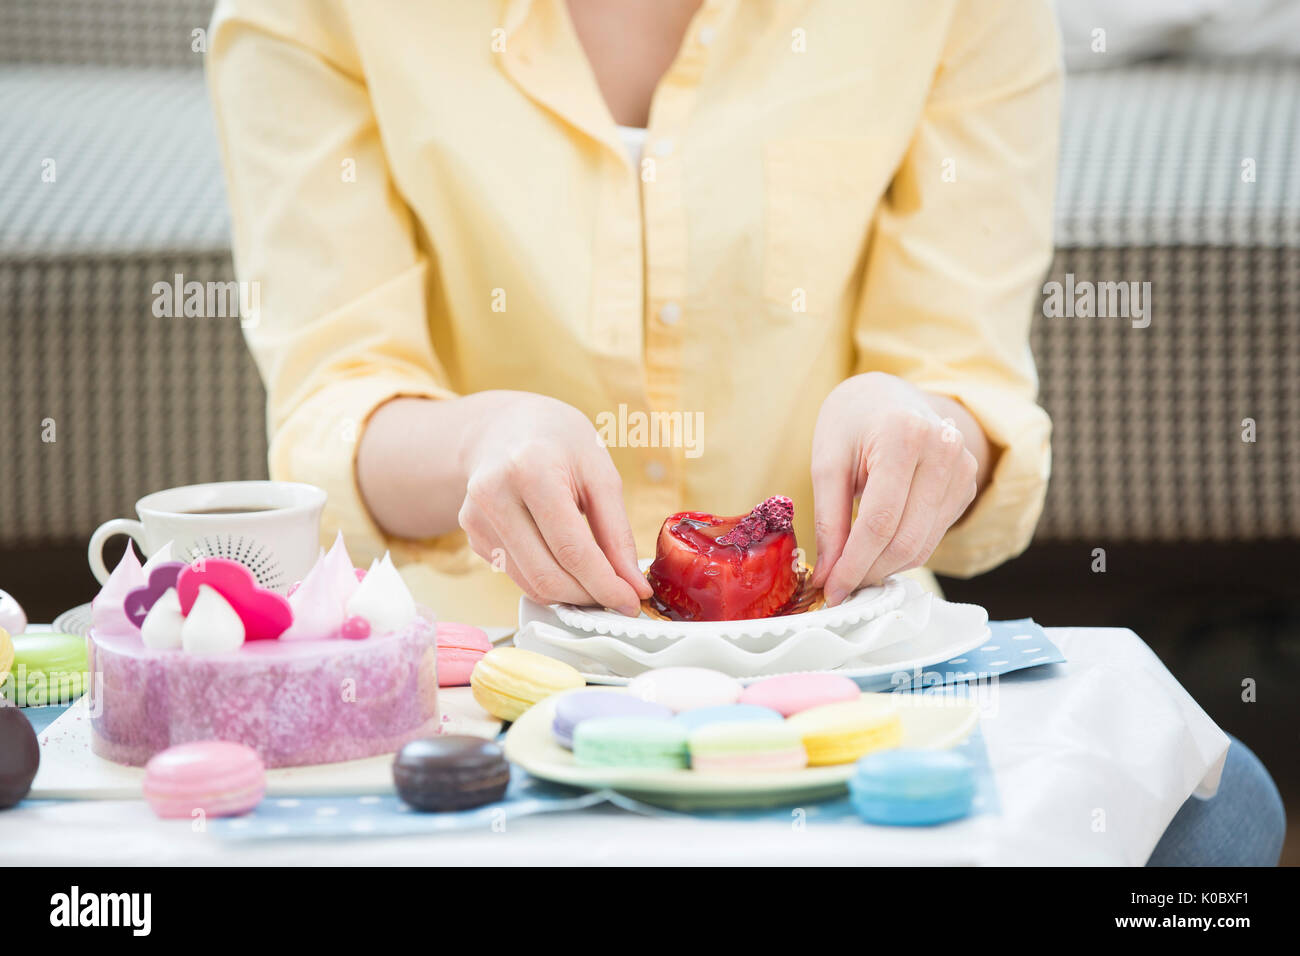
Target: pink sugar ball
356 628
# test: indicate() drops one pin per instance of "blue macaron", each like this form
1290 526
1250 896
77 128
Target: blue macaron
725 713
913 787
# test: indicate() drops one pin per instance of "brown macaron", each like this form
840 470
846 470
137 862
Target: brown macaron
20 755
450 773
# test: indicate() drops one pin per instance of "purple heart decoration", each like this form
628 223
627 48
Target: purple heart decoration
139 601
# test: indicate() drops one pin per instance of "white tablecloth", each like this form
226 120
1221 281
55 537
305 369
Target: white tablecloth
1092 760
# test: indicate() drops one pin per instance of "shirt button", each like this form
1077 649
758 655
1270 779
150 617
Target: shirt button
664 147
706 35
669 313
656 471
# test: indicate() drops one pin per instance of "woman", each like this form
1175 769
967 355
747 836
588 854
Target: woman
807 235
827 259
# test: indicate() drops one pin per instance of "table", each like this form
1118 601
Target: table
1093 758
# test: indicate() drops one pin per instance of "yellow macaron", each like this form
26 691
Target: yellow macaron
6 654
843 732
509 680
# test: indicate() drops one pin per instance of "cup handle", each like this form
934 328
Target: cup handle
95 552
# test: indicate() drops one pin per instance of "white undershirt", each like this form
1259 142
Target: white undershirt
633 142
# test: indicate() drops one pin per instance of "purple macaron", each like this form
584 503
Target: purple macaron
572 709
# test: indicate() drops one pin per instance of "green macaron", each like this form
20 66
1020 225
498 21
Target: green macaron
630 742
47 669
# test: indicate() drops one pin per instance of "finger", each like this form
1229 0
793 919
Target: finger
602 502
884 499
482 539
484 542
832 482
573 546
960 493
925 501
541 575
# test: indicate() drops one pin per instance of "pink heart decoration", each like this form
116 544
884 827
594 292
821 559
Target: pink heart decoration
266 615
138 602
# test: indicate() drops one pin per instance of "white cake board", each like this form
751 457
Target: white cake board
70 770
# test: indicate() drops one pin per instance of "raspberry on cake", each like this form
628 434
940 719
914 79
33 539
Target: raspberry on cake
709 568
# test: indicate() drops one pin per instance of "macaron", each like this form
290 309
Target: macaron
630 742
509 680
53 668
843 732
20 755
6 654
455 772
574 708
686 688
913 787
755 745
217 777
725 714
791 693
460 647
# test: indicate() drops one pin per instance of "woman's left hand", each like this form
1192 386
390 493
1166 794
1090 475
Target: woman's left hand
884 440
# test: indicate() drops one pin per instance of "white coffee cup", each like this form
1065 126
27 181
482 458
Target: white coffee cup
271 527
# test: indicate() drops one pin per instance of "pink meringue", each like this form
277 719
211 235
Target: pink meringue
338 566
160 556
318 610
107 612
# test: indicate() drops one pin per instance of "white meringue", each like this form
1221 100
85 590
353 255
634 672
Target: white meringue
107 612
339 569
12 617
317 607
158 557
383 599
212 626
161 629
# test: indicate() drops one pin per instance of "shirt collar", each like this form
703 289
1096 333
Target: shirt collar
544 58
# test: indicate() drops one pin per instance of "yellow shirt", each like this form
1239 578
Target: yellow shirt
435 200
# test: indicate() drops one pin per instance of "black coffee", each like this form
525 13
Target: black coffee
227 511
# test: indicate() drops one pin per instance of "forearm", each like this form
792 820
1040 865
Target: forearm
411 460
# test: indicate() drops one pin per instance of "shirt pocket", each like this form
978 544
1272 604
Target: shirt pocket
819 199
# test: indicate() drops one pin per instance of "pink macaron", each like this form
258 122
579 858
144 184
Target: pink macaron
460 647
219 778
791 693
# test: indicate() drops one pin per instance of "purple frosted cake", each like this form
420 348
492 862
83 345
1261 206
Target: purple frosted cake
342 668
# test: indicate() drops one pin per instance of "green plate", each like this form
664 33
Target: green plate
933 722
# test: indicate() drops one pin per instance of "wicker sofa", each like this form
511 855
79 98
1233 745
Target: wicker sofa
1148 421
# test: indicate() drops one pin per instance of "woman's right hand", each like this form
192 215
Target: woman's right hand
544 502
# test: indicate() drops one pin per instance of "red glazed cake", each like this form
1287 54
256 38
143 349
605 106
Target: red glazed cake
343 668
710 568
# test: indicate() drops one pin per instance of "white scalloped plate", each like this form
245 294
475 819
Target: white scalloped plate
924 630
758 634
923 651
929 722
